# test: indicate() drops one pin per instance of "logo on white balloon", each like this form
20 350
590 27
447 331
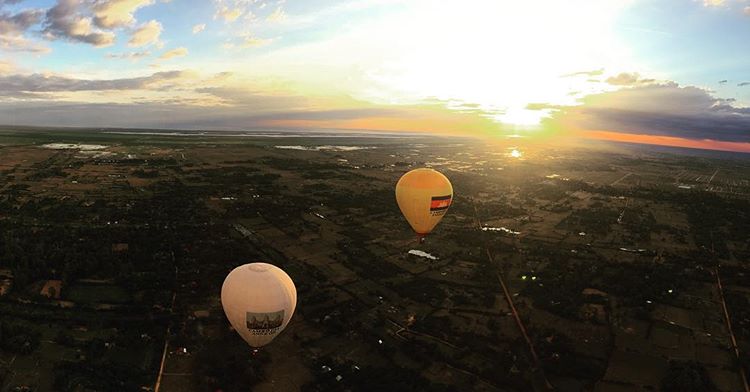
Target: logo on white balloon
264 323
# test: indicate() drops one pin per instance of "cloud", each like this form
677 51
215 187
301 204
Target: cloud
336 114
746 10
180 113
277 16
227 13
145 34
13 28
596 72
743 84
231 10
723 81
109 14
544 106
93 22
198 28
41 86
38 83
248 42
18 23
250 97
714 3
6 67
665 109
177 52
64 21
628 79
254 42
129 55
21 44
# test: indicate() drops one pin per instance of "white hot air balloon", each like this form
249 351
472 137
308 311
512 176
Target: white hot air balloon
259 300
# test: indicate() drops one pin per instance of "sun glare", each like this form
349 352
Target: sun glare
503 55
515 153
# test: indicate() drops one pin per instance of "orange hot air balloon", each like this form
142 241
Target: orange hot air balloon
423 195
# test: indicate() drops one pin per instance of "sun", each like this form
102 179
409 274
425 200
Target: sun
500 56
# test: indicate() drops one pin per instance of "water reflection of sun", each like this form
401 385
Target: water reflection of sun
515 153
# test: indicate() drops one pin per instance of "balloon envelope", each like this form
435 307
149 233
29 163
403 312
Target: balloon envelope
259 300
423 195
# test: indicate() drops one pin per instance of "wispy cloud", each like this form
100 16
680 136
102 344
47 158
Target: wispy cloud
276 16
145 34
628 79
38 83
6 67
156 87
247 42
198 28
177 52
714 3
129 55
253 42
229 11
596 72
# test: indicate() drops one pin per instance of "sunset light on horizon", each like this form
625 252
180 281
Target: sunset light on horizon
667 73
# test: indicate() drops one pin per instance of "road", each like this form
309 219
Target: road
733 340
621 178
512 306
157 385
712 177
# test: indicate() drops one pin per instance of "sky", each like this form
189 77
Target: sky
667 72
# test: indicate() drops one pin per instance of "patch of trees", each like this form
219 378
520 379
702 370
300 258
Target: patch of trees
559 356
593 220
422 290
640 223
635 284
92 374
686 376
558 288
352 377
46 173
18 339
142 173
549 192
495 209
234 176
289 164
228 364
354 254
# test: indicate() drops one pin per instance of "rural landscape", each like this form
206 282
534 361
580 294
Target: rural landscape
586 268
